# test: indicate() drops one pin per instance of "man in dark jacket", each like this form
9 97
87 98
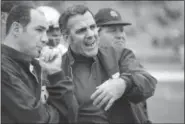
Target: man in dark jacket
111 32
20 82
103 95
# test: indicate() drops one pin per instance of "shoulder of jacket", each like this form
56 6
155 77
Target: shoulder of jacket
126 52
64 56
9 65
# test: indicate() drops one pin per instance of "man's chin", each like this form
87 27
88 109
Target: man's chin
37 55
92 53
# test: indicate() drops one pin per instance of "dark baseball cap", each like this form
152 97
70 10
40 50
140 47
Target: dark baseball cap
109 16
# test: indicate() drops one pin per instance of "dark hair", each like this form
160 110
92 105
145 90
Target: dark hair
71 11
19 13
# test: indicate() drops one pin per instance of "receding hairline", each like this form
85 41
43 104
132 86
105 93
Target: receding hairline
36 11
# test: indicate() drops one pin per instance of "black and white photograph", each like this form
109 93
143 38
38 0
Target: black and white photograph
92 62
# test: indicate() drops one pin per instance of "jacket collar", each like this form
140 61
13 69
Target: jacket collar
71 58
14 54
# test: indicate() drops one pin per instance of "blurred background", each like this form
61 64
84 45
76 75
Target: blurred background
156 36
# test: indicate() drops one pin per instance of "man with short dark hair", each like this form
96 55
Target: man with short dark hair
20 81
111 31
103 94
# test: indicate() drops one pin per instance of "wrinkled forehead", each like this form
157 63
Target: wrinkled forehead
80 21
37 18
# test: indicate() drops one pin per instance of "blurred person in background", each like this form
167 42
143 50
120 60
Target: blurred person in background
4 15
111 32
54 35
20 82
54 47
106 92
54 44
181 54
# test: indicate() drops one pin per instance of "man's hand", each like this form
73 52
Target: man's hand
52 65
108 92
48 53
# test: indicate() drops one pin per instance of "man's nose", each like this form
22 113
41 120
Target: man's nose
90 33
120 36
56 33
44 38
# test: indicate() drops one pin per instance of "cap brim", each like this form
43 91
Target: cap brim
114 23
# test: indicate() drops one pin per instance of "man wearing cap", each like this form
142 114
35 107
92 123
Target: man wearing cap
111 32
111 27
102 92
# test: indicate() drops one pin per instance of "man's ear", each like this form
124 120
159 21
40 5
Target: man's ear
66 37
98 29
16 28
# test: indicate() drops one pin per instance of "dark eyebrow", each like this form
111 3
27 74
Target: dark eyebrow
81 29
41 27
84 28
93 25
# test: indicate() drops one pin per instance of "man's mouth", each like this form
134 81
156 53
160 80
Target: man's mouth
90 44
119 42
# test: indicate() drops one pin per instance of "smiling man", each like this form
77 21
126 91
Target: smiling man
111 27
103 95
111 31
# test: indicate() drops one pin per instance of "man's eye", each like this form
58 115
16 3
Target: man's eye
93 27
122 29
81 30
112 30
39 30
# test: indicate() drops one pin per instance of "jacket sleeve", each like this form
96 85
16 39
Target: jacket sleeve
63 96
21 104
140 84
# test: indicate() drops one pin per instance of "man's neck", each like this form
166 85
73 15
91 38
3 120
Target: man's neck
11 42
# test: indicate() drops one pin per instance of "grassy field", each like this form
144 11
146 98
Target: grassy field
167 104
